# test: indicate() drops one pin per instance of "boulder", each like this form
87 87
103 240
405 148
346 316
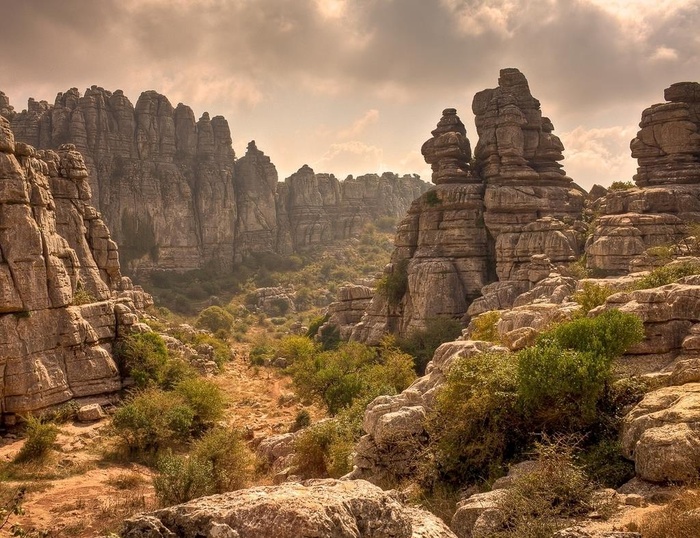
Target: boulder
342 509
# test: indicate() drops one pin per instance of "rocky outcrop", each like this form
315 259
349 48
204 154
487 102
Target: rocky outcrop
341 509
173 195
509 216
59 270
347 310
256 188
667 199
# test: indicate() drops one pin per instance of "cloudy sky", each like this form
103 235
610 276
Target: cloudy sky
356 86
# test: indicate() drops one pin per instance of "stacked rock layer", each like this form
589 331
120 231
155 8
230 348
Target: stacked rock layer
58 271
503 217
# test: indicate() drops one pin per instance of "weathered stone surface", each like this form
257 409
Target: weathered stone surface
332 508
511 218
274 301
346 312
471 509
90 413
662 434
657 213
59 271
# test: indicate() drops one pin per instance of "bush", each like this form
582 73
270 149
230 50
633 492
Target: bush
204 398
422 343
621 186
231 461
476 425
538 501
485 327
336 378
592 295
143 356
152 419
301 421
610 334
604 464
667 274
394 285
215 319
323 450
563 377
40 438
181 479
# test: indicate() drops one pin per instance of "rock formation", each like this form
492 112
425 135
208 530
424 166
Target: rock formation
667 200
173 195
333 508
162 181
59 269
504 220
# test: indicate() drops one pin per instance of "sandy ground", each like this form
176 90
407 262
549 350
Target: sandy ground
83 492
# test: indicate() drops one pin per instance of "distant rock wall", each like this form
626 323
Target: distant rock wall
59 279
173 194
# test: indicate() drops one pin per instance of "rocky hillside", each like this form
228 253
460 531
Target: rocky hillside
175 197
63 300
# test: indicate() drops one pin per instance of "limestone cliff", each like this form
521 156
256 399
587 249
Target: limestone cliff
501 219
667 197
162 180
59 271
174 196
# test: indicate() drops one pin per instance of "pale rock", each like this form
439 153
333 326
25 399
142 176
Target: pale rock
342 509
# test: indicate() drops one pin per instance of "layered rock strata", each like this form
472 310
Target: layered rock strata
504 220
341 509
59 269
667 199
174 196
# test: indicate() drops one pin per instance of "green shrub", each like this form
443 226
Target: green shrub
432 198
323 450
563 377
476 424
181 479
315 324
592 295
296 348
422 343
604 464
610 334
152 419
394 285
621 186
667 274
40 437
215 319
336 378
485 327
301 421
143 356
231 460
204 398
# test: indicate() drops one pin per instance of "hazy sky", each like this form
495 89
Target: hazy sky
356 86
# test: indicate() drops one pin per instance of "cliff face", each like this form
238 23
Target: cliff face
163 181
59 269
173 194
499 220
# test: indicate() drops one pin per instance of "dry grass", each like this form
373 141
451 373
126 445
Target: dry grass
679 519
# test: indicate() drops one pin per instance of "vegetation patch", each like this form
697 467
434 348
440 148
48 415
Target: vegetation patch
394 285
